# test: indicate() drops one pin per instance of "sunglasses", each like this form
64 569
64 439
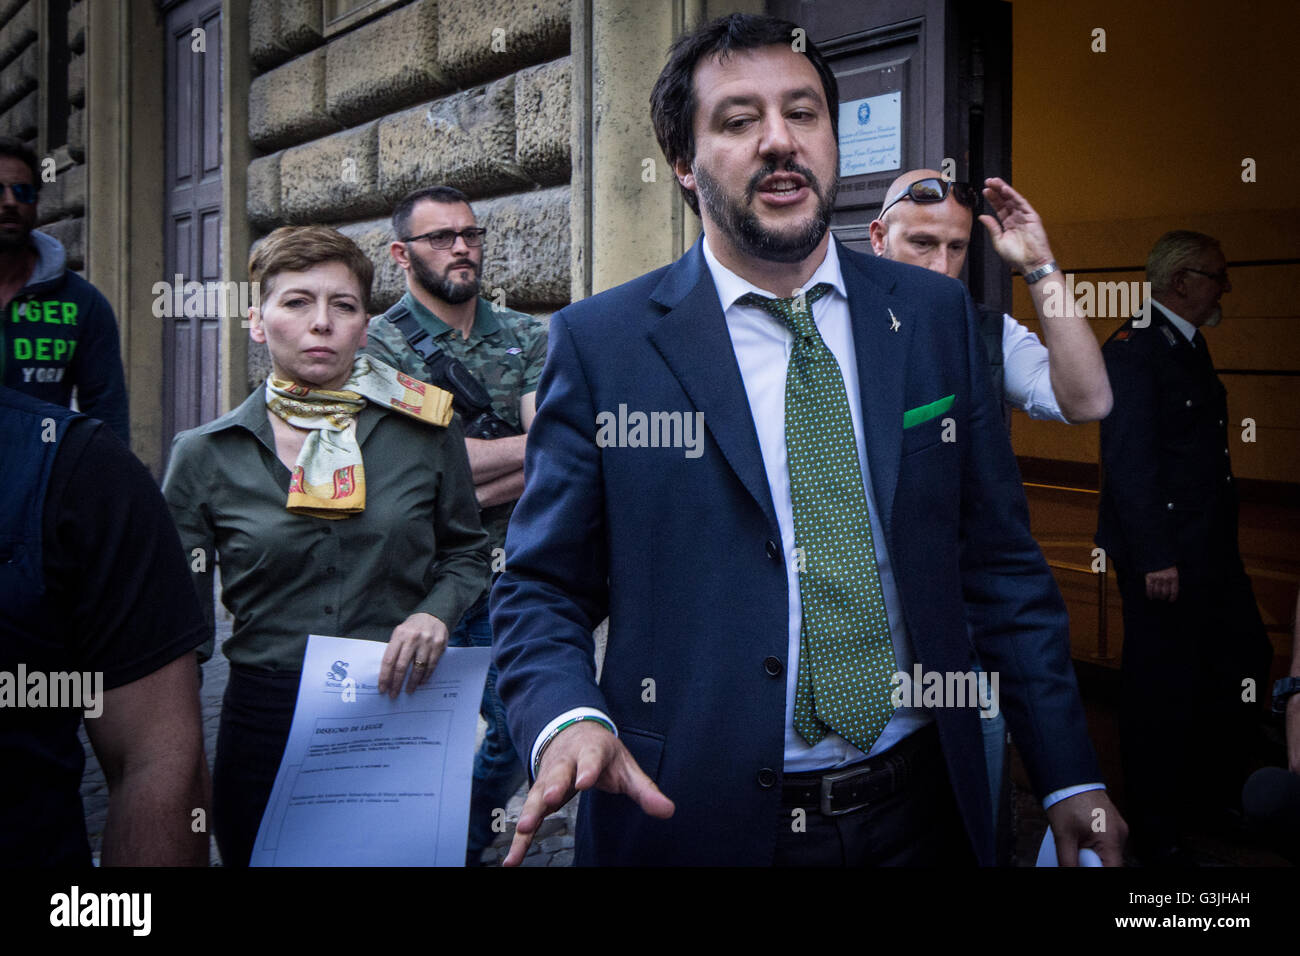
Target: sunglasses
934 189
446 238
25 193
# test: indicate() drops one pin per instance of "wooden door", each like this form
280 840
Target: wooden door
192 217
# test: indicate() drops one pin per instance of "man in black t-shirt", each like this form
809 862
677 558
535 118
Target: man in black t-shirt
97 615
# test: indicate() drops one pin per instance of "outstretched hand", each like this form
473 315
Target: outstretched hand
583 756
1089 820
1016 231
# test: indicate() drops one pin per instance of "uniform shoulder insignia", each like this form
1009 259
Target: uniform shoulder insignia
1169 334
1121 335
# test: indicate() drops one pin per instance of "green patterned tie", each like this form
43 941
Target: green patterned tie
846 655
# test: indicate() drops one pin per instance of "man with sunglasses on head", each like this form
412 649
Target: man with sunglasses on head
926 221
59 331
490 358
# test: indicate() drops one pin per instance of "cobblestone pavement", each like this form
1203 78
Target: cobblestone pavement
552 847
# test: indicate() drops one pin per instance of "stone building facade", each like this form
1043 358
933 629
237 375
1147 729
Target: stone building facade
42 102
330 111
474 95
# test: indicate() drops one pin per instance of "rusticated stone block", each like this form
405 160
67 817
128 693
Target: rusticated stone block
7 9
20 77
480 39
373 236
527 251
287 104
73 180
300 24
263 192
259 364
466 140
70 232
18 32
49 201
385 65
332 178
76 135
542 121
76 80
264 46
21 118
77 27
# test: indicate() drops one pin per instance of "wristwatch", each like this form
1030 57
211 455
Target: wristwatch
1040 272
1283 688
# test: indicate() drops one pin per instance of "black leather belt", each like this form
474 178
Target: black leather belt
837 792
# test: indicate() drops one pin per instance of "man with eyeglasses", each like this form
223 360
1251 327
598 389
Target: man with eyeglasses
59 331
926 221
1193 635
490 358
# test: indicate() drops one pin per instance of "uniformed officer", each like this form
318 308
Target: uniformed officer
1168 523
491 358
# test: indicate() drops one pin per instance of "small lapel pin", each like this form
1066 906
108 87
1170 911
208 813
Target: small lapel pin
894 324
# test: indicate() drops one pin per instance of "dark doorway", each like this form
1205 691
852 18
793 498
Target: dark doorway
192 217
921 82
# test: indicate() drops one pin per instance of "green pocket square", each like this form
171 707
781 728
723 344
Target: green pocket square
923 413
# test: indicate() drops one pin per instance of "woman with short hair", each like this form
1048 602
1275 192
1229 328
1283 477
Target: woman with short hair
337 499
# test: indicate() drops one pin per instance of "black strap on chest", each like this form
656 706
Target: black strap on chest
470 398
990 329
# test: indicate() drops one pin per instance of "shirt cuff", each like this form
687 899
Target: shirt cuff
550 729
1056 796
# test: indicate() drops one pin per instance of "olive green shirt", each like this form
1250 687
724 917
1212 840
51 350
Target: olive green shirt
505 351
418 546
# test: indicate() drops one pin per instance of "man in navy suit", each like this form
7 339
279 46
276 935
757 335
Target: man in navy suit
778 468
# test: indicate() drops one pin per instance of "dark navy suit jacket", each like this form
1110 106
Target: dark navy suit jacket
684 556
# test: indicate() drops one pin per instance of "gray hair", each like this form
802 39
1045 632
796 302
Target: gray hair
1172 252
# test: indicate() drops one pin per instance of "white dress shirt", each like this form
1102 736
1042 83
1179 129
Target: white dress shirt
1027 373
762 346
1178 322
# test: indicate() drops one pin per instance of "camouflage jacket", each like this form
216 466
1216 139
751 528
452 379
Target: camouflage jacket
505 351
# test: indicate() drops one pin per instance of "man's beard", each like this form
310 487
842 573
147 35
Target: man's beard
741 225
11 242
453 293
1214 317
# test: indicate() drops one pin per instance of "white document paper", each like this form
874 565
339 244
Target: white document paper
370 781
1047 853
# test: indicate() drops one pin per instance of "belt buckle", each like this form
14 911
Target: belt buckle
828 782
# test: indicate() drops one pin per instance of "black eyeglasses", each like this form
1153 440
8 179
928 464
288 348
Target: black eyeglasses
934 189
1219 277
446 238
25 193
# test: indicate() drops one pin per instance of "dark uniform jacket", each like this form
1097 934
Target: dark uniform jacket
1168 496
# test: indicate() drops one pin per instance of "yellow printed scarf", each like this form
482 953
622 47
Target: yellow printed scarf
329 480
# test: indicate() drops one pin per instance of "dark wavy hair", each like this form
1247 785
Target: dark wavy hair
672 101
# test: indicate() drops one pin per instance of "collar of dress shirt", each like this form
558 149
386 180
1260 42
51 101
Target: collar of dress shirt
1181 324
731 286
